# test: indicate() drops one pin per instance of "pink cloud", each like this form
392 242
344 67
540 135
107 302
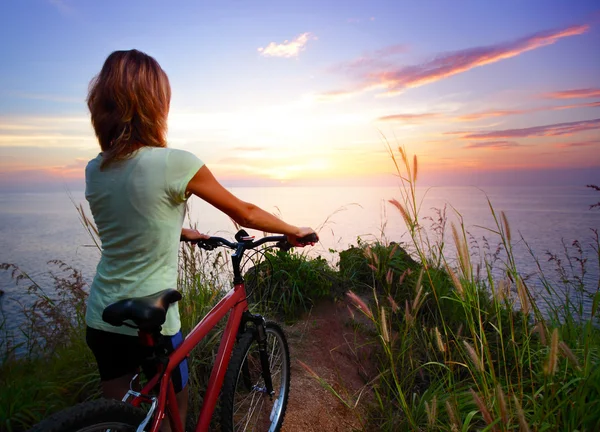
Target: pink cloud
502 113
334 96
581 105
457 62
493 145
422 117
390 50
370 60
74 170
44 178
573 94
411 118
578 144
448 64
556 129
488 114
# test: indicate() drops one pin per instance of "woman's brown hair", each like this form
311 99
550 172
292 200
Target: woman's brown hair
129 103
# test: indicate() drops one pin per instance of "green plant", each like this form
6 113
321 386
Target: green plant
289 283
54 368
461 350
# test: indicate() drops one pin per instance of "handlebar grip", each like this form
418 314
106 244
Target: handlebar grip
311 238
207 244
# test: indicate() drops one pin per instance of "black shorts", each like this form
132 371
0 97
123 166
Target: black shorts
118 355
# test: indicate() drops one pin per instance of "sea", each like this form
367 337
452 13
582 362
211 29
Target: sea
36 228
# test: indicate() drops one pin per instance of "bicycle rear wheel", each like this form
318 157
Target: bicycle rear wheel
245 404
95 416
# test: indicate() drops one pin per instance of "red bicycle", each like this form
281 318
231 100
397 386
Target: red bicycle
253 378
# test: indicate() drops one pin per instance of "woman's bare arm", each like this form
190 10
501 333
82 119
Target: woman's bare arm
205 186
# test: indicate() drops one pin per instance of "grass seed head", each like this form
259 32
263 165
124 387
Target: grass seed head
502 404
520 415
403 276
389 277
402 210
360 304
473 355
417 299
393 303
438 339
407 315
402 154
415 168
502 290
384 326
463 253
506 226
482 408
566 351
552 363
368 253
393 250
308 369
431 410
523 296
454 425
456 282
541 330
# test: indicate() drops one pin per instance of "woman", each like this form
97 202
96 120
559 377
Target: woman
137 189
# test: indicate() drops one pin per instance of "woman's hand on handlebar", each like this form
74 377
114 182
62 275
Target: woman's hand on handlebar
192 234
302 232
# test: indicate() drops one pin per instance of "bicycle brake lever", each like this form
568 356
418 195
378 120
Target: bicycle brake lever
203 245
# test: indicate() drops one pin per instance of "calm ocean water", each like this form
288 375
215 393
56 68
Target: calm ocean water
37 228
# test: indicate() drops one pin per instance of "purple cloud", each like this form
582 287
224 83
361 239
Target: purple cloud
370 60
556 129
411 118
493 145
578 144
573 94
395 80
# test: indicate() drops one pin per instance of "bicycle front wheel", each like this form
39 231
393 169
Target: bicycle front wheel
95 416
245 403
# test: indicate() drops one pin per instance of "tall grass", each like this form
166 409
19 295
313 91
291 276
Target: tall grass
462 349
46 366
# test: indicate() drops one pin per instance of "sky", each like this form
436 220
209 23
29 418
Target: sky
307 93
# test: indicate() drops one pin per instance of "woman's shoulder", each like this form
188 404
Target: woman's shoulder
94 163
171 155
167 152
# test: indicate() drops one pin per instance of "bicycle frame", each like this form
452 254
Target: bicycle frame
234 301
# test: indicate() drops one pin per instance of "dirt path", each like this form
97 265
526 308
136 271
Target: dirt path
328 344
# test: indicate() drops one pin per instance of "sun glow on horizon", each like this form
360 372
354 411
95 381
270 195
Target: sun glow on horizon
308 102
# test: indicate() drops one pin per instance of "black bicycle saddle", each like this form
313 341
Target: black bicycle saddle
148 313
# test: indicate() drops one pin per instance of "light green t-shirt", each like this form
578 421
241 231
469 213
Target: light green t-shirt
138 205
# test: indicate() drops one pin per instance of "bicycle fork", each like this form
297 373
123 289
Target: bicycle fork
264 357
261 338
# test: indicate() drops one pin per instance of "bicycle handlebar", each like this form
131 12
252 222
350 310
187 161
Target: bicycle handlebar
248 242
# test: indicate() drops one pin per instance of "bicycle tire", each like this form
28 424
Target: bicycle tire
97 415
243 397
